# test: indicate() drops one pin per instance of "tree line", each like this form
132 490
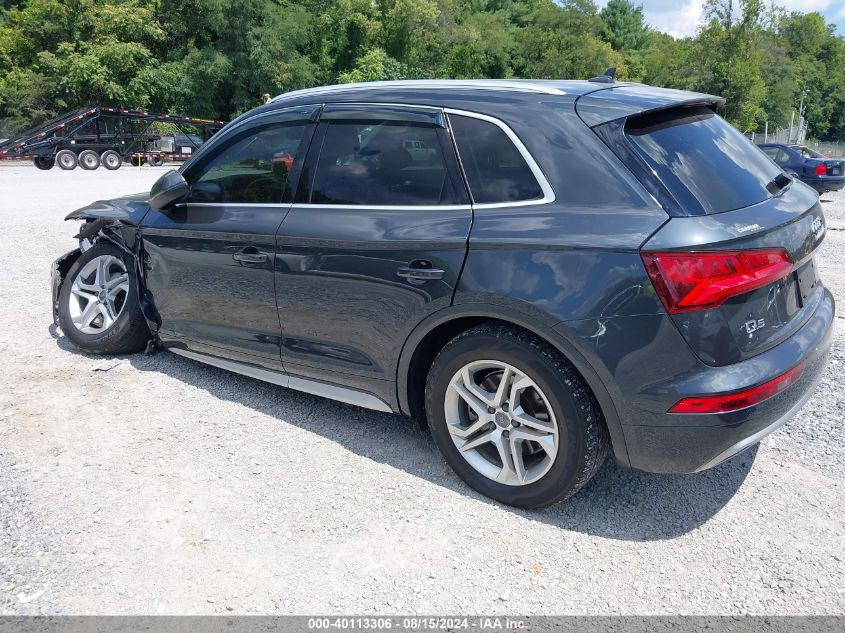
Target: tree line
216 58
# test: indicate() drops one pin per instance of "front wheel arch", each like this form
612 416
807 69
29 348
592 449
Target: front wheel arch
426 340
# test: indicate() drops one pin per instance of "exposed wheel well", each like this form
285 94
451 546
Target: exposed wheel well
424 355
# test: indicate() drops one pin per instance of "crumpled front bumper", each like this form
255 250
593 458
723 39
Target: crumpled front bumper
58 271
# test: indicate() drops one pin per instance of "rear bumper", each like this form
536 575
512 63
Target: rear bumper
692 443
828 183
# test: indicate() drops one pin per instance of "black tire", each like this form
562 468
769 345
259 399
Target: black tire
155 161
129 332
111 160
67 160
89 160
583 439
44 163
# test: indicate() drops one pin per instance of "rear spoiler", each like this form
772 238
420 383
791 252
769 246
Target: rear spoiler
620 102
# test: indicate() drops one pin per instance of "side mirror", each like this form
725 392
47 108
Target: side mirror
168 189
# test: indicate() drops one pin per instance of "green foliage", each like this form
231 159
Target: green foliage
375 65
215 58
624 25
728 58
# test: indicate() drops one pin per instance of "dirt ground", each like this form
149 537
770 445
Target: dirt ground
149 485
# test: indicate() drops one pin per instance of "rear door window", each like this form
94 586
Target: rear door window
495 169
777 154
782 157
771 152
381 162
704 162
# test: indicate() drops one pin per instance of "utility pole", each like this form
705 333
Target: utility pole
802 123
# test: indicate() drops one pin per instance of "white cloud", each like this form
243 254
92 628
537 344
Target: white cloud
681 18
805 6
678 18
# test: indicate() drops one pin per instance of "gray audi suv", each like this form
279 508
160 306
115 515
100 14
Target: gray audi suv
544 271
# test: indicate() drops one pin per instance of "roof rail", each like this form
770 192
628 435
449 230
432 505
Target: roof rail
436 84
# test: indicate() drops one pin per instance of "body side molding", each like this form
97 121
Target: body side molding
325 390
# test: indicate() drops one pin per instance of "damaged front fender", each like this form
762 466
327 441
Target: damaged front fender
115 221
129 210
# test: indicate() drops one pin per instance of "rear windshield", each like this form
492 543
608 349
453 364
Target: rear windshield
704 162
806 152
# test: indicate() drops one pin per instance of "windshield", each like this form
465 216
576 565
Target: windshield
704 162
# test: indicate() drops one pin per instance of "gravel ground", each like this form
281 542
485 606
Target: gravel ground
133 485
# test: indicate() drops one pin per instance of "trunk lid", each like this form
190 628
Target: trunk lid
755 321
834 167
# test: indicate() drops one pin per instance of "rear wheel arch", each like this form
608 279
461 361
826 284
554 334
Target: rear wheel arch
429 337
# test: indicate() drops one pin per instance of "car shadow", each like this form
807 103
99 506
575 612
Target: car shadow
618 503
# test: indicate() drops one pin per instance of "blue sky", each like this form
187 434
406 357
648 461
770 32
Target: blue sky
682 17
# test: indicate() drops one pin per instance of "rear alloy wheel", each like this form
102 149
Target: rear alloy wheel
98 303
513 418
66 159
44 163
111 160
502 422
89 160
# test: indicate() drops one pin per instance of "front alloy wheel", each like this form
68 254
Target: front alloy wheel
98 294
502 422
98 305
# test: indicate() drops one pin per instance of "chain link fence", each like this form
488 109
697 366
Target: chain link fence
794 136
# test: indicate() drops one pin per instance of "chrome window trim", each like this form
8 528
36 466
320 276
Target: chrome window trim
456 84
385 207
545 187
273 205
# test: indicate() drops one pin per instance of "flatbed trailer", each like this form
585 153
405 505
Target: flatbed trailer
108 136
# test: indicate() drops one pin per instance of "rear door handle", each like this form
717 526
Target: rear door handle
420 271
250 255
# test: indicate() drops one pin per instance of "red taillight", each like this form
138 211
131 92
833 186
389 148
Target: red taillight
741 399
821 169
687 281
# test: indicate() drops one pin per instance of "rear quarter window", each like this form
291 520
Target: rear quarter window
706 164
495 169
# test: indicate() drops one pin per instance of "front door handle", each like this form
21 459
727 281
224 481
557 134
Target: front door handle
250 255
420 271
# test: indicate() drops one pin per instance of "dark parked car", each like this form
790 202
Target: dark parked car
575 268
820 172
